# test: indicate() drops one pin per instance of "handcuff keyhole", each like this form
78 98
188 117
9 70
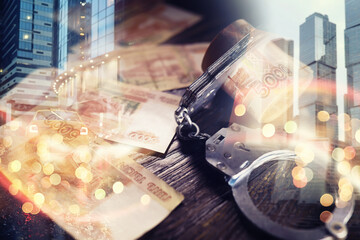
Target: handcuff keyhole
219 139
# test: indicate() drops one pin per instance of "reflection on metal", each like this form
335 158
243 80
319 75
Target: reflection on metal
261 151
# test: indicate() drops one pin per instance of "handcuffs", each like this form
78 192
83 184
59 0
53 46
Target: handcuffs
237 150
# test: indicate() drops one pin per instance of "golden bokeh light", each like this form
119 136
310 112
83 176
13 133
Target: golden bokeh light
345 189
268 130
300 183
27 207
55 179
14 166
48 169
36 167
88 178
240 110
309 174
39 198
345 193
81 172
15 186
35 210
357 135
326 216
344 167
74 209
13 190
326 200
299 148
7 141
100 194
290 127
14 125
338 154
323 116
145 199
118 187
305 154
298 173
82 154
343 181
350 152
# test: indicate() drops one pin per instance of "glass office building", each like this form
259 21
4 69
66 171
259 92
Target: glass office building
102 27
318 51
287 46
26 54
352 49
73 32
352 61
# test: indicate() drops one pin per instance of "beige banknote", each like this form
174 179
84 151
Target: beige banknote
154 26
129 114
163 67
93 191
262 83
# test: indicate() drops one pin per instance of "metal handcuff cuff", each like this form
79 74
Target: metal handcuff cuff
236 150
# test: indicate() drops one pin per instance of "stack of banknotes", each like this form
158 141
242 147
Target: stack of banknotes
76 165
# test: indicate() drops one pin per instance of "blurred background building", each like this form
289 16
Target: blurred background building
26 54
318 51
352 62
287 46
72 32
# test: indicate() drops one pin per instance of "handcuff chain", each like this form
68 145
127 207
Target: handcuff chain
192 129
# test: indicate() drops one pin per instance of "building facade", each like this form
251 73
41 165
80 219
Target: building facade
26 55
318 52
352 63
72 33
287 46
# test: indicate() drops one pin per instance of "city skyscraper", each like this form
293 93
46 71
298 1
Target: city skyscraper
26 54
287 46
102 27
318 51
73 32
352 63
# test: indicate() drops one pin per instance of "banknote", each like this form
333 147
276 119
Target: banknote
262 83
154 26
163 67
93 191
129 114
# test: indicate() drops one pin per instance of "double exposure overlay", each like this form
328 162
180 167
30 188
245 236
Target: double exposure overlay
88 94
